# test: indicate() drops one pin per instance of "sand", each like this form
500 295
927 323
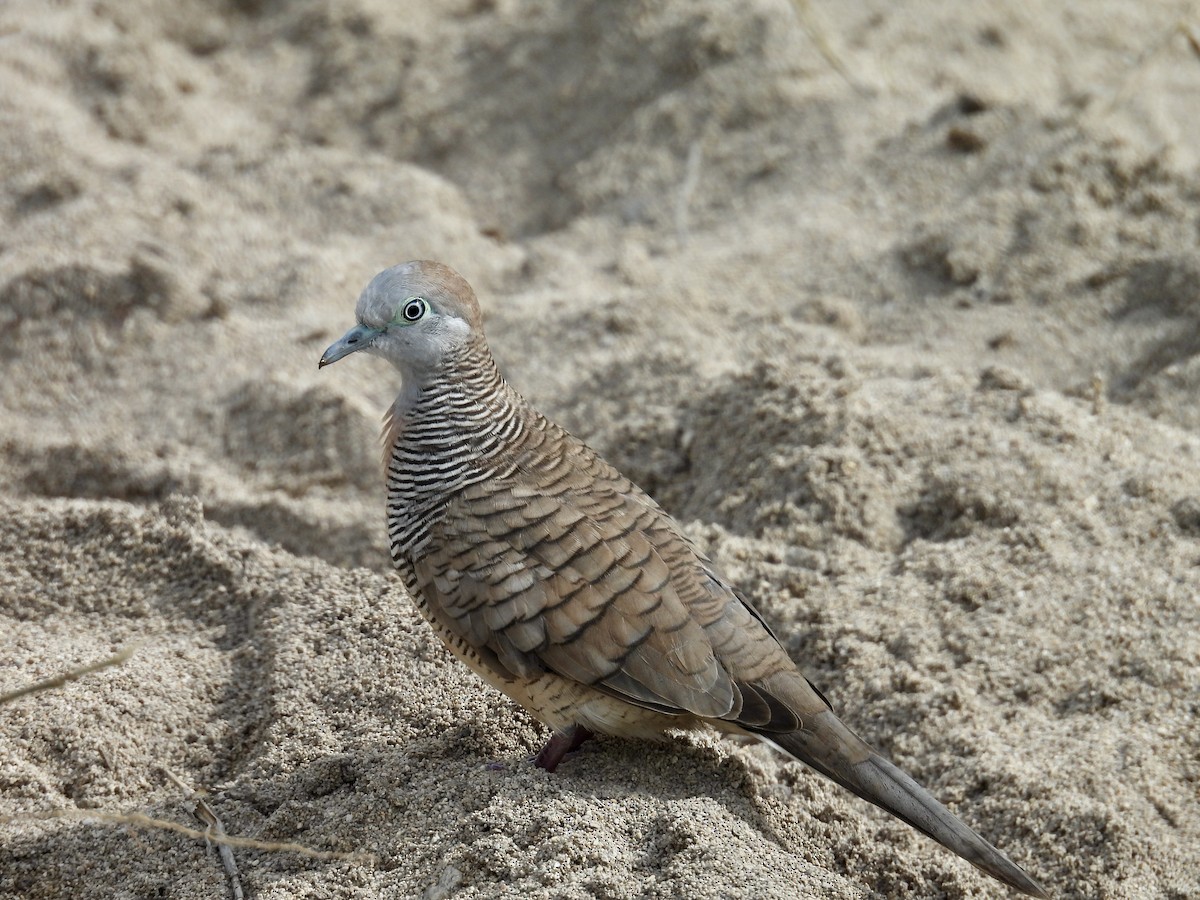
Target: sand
910 348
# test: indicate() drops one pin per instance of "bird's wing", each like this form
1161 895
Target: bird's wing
567 567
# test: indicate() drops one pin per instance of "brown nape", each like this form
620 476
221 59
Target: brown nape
453 287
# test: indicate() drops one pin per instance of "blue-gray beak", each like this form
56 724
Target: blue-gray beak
354 339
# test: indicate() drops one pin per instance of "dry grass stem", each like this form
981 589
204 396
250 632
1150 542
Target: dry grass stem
140 820
198 807
816 33
74 675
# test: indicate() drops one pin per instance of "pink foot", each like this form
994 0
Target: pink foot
560 744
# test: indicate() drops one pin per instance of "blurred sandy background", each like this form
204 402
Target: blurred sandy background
914 353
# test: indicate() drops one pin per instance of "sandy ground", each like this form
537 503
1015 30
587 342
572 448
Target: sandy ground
913 352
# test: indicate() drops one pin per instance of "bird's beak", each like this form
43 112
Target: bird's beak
354 339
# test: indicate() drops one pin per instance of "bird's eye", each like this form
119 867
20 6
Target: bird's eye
414 308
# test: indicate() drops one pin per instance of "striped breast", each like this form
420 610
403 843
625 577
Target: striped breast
454 434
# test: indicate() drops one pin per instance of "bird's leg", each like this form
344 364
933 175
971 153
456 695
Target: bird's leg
560 744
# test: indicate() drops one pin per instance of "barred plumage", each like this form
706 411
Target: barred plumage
560 583
451 436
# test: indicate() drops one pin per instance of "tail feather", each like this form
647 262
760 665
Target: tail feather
828 746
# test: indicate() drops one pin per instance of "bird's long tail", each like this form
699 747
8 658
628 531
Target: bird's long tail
830 747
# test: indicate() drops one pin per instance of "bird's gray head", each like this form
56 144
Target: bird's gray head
413 315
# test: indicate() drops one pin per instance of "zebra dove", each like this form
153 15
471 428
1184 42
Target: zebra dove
563 585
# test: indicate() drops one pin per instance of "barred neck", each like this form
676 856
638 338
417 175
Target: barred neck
452 428
464 408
